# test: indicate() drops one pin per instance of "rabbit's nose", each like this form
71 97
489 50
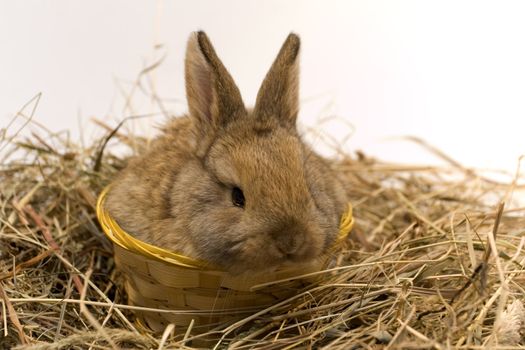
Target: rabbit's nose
290 240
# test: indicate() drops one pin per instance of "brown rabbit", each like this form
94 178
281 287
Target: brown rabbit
229 185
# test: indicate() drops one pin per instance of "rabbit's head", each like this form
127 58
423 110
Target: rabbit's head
256 196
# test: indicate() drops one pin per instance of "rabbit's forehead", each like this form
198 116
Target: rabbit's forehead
261 152
256 149
278 158
264 163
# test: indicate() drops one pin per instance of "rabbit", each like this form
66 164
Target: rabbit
232 186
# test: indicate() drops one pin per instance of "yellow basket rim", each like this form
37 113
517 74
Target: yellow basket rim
123 239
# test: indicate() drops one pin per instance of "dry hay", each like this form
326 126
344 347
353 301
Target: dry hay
434 262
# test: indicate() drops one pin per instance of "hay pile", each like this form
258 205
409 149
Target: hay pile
434 262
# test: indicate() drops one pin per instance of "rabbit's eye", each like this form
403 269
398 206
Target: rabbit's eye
237 197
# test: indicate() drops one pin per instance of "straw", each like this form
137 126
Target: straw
434 261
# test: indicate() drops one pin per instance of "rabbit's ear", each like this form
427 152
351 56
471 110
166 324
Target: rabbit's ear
213 98
278 96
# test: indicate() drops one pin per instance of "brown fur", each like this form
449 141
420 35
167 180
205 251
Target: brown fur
178 194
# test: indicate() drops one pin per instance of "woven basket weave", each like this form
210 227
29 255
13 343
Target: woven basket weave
160 279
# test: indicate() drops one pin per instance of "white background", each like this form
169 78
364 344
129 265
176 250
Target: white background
450 72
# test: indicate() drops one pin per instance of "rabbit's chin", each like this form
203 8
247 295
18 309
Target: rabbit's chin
270 260
249 269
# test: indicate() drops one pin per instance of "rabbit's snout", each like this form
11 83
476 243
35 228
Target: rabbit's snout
294 241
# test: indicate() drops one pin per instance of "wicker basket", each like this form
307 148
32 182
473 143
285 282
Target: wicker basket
181 289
